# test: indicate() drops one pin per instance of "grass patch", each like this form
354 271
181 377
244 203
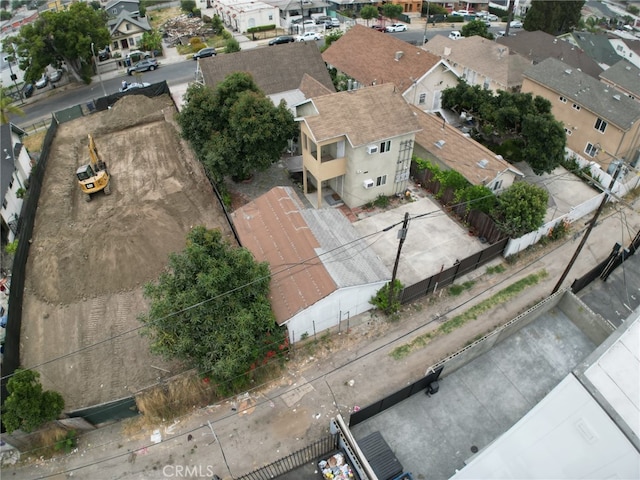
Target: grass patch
159 17
497 269
456 290
34 141
458 321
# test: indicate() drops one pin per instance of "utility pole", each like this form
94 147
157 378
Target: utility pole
426 24
592 223
402 235
95 63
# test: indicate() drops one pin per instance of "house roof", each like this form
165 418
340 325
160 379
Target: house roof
113 3
365 115
538 45
126 16
310 87
474 161
597 46
483 56
8 155
275 69
371 57
586 91
303 250
625 75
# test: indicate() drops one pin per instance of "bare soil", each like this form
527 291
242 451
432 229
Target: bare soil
89 260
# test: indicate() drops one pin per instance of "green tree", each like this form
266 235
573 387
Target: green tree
477 197
476 27
554 16
4 15
231 45
392 10
521 209
142 8
4 4
368 12
633 10
434 9
544 142
330 38
216 24
15 4
235 129
6 107
151 41
224 324
64 36
95 4
187 6
27 406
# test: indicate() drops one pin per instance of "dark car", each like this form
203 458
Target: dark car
143 65
205 52
380 28
27 90
282 39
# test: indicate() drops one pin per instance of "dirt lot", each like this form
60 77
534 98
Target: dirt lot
89 260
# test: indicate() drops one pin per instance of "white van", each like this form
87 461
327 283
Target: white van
455 35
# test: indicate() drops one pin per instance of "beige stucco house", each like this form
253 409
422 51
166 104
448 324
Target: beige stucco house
370 58
482 62
597 117
350 151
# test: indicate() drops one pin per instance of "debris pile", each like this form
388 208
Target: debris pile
184 27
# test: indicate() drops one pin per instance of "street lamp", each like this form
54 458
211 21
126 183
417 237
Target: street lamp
93 53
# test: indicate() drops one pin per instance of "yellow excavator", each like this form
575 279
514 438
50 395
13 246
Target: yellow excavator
93 176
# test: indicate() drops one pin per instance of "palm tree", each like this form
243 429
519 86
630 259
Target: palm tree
6 107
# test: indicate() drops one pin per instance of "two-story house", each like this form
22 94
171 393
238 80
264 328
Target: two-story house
595 45
480 61
628 49
596 117
241 15
115 7
357 144
126 32
444 145
15 169
369 57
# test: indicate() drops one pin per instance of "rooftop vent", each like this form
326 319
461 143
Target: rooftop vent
440 143
399 55
628 68
568 71
483 163
616 97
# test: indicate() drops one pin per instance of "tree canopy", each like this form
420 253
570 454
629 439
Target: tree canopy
476 27
27 406
521 209
235 129
516 118
392 10
369 12
224 325
56 37
7 108
553 16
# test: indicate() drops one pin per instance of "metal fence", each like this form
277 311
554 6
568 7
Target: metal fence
295 460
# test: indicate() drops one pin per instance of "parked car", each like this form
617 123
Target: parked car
282 39
136 55
516 24
43 81
460 13
130 86
455 35
27 90
143 66
397 27
55 76
327 24
380 28
335 23
308 36
103 55
204 53
493 18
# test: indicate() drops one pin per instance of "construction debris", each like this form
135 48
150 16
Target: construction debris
181 29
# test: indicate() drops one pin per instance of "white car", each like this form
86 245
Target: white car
516 24
126 86
43 81
396 27
308 36
493 18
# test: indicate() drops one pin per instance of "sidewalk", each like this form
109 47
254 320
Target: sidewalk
334 378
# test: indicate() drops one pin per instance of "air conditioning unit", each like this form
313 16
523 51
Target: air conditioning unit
372 149
368 183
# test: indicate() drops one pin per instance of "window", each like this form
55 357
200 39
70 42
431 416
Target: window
10 184
600 125
591 150
127 26
562 99
497 185
576 106
423 98
568 131
4 204
382 180
486 84
385 146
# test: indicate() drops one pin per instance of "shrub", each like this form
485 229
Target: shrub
381 299
381 201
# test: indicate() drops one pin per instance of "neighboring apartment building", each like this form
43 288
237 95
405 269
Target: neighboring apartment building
596 117
357 144
126 32
15 169
241 15
627 49
624 77
595 45
446 146
372 58
482 62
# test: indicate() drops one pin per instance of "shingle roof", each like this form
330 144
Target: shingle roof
7 155
625 75
126 16
586 91
538 45
276 69
597 46
483 56
459 152
369 57
302 249
365 115
310 87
